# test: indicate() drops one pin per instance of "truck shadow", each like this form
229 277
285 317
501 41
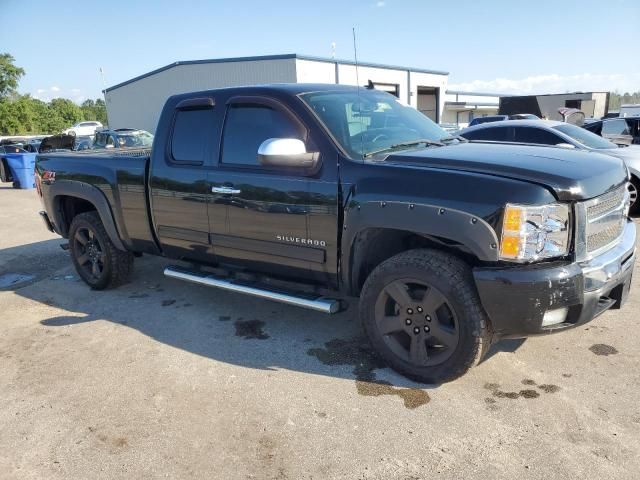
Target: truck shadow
222 326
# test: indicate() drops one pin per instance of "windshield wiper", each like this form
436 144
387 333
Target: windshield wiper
412 143
454 137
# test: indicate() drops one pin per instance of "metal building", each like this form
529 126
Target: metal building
593 104
137 103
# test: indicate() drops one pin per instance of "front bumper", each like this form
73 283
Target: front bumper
516 298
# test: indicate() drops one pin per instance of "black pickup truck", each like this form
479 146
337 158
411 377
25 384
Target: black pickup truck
314 195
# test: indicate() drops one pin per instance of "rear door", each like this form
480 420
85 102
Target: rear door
179 185
281 221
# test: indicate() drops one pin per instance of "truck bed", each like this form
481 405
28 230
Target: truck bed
121 176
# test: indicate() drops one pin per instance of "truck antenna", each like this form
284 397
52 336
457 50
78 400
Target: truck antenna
355 55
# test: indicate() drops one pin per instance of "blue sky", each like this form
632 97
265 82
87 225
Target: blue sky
492 45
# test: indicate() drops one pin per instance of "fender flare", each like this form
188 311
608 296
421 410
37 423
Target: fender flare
461 227
91 194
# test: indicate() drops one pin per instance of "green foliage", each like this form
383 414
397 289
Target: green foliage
23 115
9 75
616 99
94 110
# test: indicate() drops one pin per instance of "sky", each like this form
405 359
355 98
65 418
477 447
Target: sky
502 46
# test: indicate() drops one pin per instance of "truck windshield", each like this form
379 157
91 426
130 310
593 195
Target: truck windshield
372 121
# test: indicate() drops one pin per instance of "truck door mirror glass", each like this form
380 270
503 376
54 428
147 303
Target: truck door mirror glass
565 145
286 152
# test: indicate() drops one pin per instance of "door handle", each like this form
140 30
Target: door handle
226 190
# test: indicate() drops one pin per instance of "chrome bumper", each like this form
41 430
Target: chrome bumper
609 267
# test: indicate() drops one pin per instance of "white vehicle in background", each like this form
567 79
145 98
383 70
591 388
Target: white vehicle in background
87 128
630 110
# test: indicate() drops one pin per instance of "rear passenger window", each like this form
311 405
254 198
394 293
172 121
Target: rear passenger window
191 128
497 134
247 126
536 135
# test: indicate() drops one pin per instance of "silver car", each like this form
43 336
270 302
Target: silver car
559 134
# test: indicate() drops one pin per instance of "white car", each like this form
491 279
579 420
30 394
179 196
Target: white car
83 128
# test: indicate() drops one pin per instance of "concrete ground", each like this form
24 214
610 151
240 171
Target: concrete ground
161 379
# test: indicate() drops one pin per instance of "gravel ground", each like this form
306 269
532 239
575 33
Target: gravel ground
161 379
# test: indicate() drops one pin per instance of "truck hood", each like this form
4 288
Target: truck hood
571 174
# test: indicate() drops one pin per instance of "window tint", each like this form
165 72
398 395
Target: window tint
584 137
615 127
536 135
190 131
494 134
247 126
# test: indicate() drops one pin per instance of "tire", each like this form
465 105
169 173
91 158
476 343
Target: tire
98 262
634 188
425 298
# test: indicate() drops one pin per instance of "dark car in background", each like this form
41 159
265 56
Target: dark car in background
499 118
560 134
123 138
621 131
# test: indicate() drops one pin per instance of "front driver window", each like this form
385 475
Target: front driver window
247 126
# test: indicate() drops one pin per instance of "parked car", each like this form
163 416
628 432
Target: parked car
55 143
488 119
448 245
83 128
630 110
499 118
83 143
549 132
621 131
123 138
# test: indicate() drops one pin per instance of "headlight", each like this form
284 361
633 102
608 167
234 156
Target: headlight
534 232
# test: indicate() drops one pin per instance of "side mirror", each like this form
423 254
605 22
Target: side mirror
565 145
286 152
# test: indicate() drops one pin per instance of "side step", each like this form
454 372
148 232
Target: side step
318 304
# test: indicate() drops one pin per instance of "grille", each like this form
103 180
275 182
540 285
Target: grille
605 219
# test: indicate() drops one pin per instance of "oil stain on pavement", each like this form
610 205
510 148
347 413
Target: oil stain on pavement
358 353
528 393
603 349
249 329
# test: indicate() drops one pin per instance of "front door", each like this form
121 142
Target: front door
280 222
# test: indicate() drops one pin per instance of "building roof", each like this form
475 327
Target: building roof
272 57
476 94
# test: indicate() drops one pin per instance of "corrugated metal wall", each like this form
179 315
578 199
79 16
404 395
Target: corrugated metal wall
139 103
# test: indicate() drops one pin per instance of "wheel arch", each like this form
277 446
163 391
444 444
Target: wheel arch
71 198
370 239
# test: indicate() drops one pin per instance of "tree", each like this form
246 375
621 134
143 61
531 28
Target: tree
67 110
10 74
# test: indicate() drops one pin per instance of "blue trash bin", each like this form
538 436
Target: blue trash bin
22 166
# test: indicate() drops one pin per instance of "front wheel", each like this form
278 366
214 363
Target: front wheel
422 314
98 262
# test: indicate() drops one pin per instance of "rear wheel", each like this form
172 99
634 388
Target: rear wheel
98 262
421 312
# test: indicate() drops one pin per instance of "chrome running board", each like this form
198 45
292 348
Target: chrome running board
323 305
